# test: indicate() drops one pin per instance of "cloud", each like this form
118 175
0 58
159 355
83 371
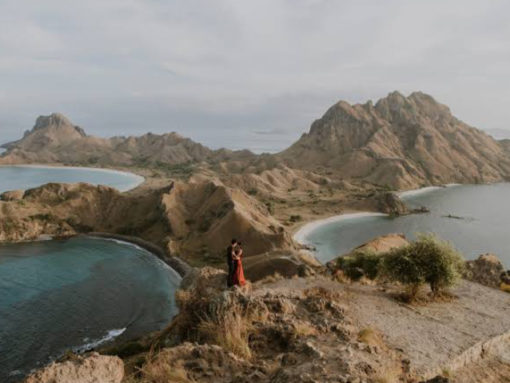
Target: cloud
240 67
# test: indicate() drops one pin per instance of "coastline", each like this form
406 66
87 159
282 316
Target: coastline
138 179
301 234
308 227
175 263
424 190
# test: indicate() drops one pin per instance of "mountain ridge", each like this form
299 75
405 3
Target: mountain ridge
403 142
54 139
400 142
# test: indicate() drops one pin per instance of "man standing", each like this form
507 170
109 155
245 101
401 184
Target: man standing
230 263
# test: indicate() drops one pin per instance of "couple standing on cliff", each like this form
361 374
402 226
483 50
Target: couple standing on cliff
235 264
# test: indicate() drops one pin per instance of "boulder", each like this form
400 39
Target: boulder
390 203
287 263
486 270
384 243
94 368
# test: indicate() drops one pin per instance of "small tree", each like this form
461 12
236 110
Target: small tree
426 260
442 264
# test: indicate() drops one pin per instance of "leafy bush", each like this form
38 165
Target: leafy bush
426 260
361 263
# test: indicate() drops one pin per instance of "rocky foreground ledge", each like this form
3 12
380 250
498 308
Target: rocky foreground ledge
316 329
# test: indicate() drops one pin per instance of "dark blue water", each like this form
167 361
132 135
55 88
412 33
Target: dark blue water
484 225
75 294
26 177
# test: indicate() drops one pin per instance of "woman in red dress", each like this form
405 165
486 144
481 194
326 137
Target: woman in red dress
238 277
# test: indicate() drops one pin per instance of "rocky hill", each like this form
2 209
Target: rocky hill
191 220
403 142
55 139
400 142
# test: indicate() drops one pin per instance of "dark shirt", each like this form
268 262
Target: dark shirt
229 255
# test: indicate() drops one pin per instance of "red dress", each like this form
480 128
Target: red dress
239 272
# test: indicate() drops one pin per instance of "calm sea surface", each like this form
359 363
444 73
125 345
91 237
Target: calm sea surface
75 294
26 177
475 218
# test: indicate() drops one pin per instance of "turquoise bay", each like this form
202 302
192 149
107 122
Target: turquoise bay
78 293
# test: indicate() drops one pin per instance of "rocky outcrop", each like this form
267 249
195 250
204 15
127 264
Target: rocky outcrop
384 243
303 333
379 245
390 203
486 270
285 263
402 142
94 368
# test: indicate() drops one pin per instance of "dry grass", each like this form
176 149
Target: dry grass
230 331
270 279
321 292
161 370
370 336
340 277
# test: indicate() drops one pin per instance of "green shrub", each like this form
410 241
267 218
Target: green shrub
361 263
441 263
426 260
295 218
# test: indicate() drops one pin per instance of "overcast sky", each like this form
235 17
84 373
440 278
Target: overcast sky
241 73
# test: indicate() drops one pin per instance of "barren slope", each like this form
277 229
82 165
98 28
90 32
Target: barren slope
404 142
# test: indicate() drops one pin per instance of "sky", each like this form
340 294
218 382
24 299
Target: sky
245 74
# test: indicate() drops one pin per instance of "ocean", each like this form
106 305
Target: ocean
76 294
474 218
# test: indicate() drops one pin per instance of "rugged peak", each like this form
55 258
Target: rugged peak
398 107
56 120
403 142
394 102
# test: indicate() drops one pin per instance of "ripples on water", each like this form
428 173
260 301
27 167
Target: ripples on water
475 218
61 295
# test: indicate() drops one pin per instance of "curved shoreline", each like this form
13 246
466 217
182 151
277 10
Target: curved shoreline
303 232
175 263
137 179
424 190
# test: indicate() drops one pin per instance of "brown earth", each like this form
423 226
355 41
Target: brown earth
193 221
263 333
315 329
